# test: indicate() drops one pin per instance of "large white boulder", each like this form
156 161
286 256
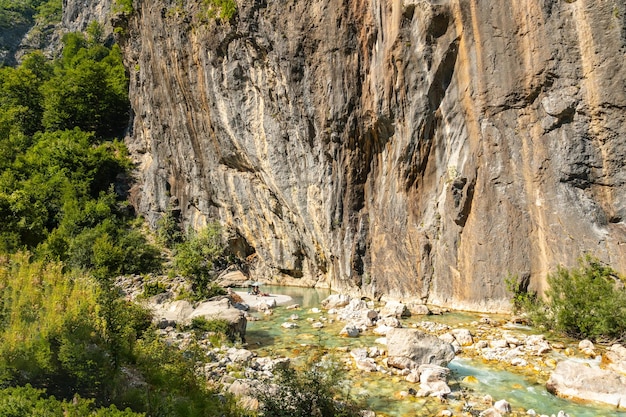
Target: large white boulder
578 381
413 347
335 301
394 309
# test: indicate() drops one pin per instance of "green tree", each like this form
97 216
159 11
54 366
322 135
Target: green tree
195 259
169 232
89 89
588 301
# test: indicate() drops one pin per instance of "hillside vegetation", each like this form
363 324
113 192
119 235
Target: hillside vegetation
69 344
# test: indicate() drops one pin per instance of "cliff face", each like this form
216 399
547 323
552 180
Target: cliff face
418 149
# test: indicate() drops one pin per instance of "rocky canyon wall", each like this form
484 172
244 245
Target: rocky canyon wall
408 149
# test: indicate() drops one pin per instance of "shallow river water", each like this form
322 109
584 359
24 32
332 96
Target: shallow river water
384 393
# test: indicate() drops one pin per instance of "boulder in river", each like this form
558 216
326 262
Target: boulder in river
463 336
413 347
418 309
395 309
335 301
502 406
578 381
433 381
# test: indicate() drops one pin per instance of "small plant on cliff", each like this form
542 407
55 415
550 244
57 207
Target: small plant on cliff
584 302
123 7
220 9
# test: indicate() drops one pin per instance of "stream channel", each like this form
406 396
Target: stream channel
385 393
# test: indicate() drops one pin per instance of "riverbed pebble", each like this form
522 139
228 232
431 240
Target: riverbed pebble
490 412
502 406
382 330
463 336
587 348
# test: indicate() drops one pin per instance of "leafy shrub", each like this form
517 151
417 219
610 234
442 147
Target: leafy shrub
316 391
205 325
49 12
173 387
150 289
29 401
522 299
51 331
59 176
169 233
219 330
89 90
196 257
24 12
583 302
123 7
65 333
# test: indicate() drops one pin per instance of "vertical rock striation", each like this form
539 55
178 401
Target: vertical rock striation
416 149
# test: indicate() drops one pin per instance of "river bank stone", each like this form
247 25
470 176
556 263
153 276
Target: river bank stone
578 381
223 310
615 358
587 348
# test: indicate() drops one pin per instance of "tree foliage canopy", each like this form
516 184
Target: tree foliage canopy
61 170
66 231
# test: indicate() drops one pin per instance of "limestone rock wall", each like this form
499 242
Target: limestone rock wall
407 149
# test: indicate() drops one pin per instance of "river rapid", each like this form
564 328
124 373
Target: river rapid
388 394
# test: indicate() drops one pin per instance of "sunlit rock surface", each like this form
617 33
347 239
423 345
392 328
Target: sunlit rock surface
578 381
415 150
